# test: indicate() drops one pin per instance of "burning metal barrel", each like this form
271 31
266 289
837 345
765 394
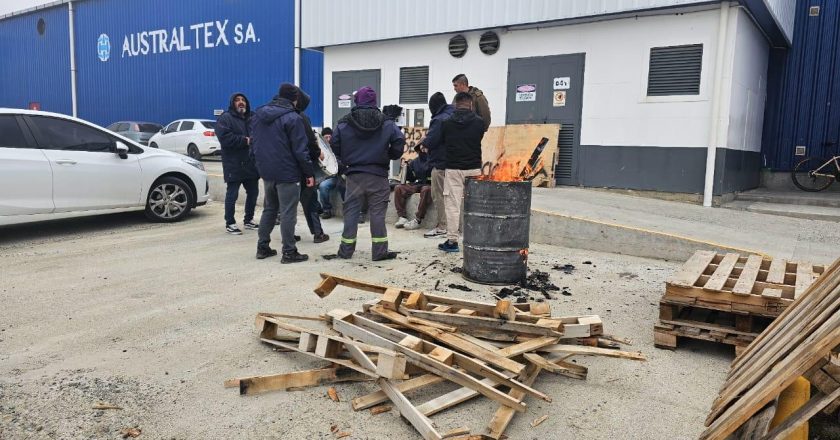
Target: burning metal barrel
496 230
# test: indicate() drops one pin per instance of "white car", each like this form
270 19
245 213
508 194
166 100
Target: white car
55 166
192 137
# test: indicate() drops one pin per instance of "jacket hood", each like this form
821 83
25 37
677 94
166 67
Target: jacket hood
463 116
446 110
303 101
365 118
475 91
232 109
436 103
274 109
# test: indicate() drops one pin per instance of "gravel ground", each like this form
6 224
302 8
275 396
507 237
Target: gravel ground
153 318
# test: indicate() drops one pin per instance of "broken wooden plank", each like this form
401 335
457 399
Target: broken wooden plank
298 379
377 397
421 423
581 350
503 416
392 299
504 310
470 322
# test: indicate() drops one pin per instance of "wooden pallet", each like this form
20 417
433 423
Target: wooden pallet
679 321
740 283
805 337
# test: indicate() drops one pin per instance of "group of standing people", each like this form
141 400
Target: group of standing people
276 143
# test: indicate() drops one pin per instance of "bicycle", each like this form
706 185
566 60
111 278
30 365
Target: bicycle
814 174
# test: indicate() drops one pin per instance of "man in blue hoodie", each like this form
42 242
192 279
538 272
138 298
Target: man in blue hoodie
433 142
237 164
365 142
278 139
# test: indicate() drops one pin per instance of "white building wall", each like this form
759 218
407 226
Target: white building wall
616 110
747 83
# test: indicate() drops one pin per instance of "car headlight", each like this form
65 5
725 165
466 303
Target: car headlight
193 162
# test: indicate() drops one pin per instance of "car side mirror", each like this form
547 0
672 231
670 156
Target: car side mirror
121 149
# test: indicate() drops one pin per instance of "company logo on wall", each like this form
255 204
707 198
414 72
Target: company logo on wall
205 35
103 47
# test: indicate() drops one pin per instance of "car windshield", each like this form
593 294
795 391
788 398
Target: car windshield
209 124
149 128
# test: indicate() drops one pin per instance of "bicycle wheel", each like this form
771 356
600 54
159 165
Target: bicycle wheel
805 179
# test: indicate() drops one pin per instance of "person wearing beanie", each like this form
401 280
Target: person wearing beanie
440 112
279 144
237 164
365 142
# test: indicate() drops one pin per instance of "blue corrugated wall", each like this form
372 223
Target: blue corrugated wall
34 67
803 103
312 80
129 66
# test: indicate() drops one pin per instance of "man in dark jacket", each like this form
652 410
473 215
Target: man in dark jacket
462 134
237 164
279 143
309 195
417 181
461 84
440 112
365 142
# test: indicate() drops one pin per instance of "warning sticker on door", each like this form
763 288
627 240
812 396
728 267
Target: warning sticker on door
559 98
344 101
526 92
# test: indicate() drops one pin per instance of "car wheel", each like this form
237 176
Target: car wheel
169 200
153 145
192 151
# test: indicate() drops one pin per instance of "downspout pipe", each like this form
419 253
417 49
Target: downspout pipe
73 97
717 104
298 15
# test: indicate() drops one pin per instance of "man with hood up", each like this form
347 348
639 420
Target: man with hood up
440 111
279 144
309 195
365 142
461 135
237 164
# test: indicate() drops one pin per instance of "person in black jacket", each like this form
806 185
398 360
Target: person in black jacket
365 142
440 111
237 164
418 172
279 144
461 135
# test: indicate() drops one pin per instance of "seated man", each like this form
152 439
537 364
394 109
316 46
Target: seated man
417 181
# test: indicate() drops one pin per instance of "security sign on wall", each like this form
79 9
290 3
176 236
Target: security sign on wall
526 92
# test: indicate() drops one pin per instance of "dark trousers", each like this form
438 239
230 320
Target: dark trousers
252 191
281 200
373 190
403 192
310 205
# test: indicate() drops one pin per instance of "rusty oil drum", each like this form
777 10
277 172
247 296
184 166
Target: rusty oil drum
496 231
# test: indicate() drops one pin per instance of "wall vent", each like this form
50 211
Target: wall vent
414 85
458 46
675 70
489 43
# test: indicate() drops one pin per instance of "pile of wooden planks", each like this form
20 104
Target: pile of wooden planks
405 340
729 298
803 341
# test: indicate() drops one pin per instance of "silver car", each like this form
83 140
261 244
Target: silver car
135 130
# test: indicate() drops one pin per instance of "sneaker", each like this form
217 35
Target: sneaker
387 256
233 229
436 232
265 252
327 215
400 222
321 238
293 257
251 225
412 225
449 246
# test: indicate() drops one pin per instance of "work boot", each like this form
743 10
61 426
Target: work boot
320 238
265 252
293 257
386 256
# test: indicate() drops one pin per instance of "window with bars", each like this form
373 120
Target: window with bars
414 85
675 70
